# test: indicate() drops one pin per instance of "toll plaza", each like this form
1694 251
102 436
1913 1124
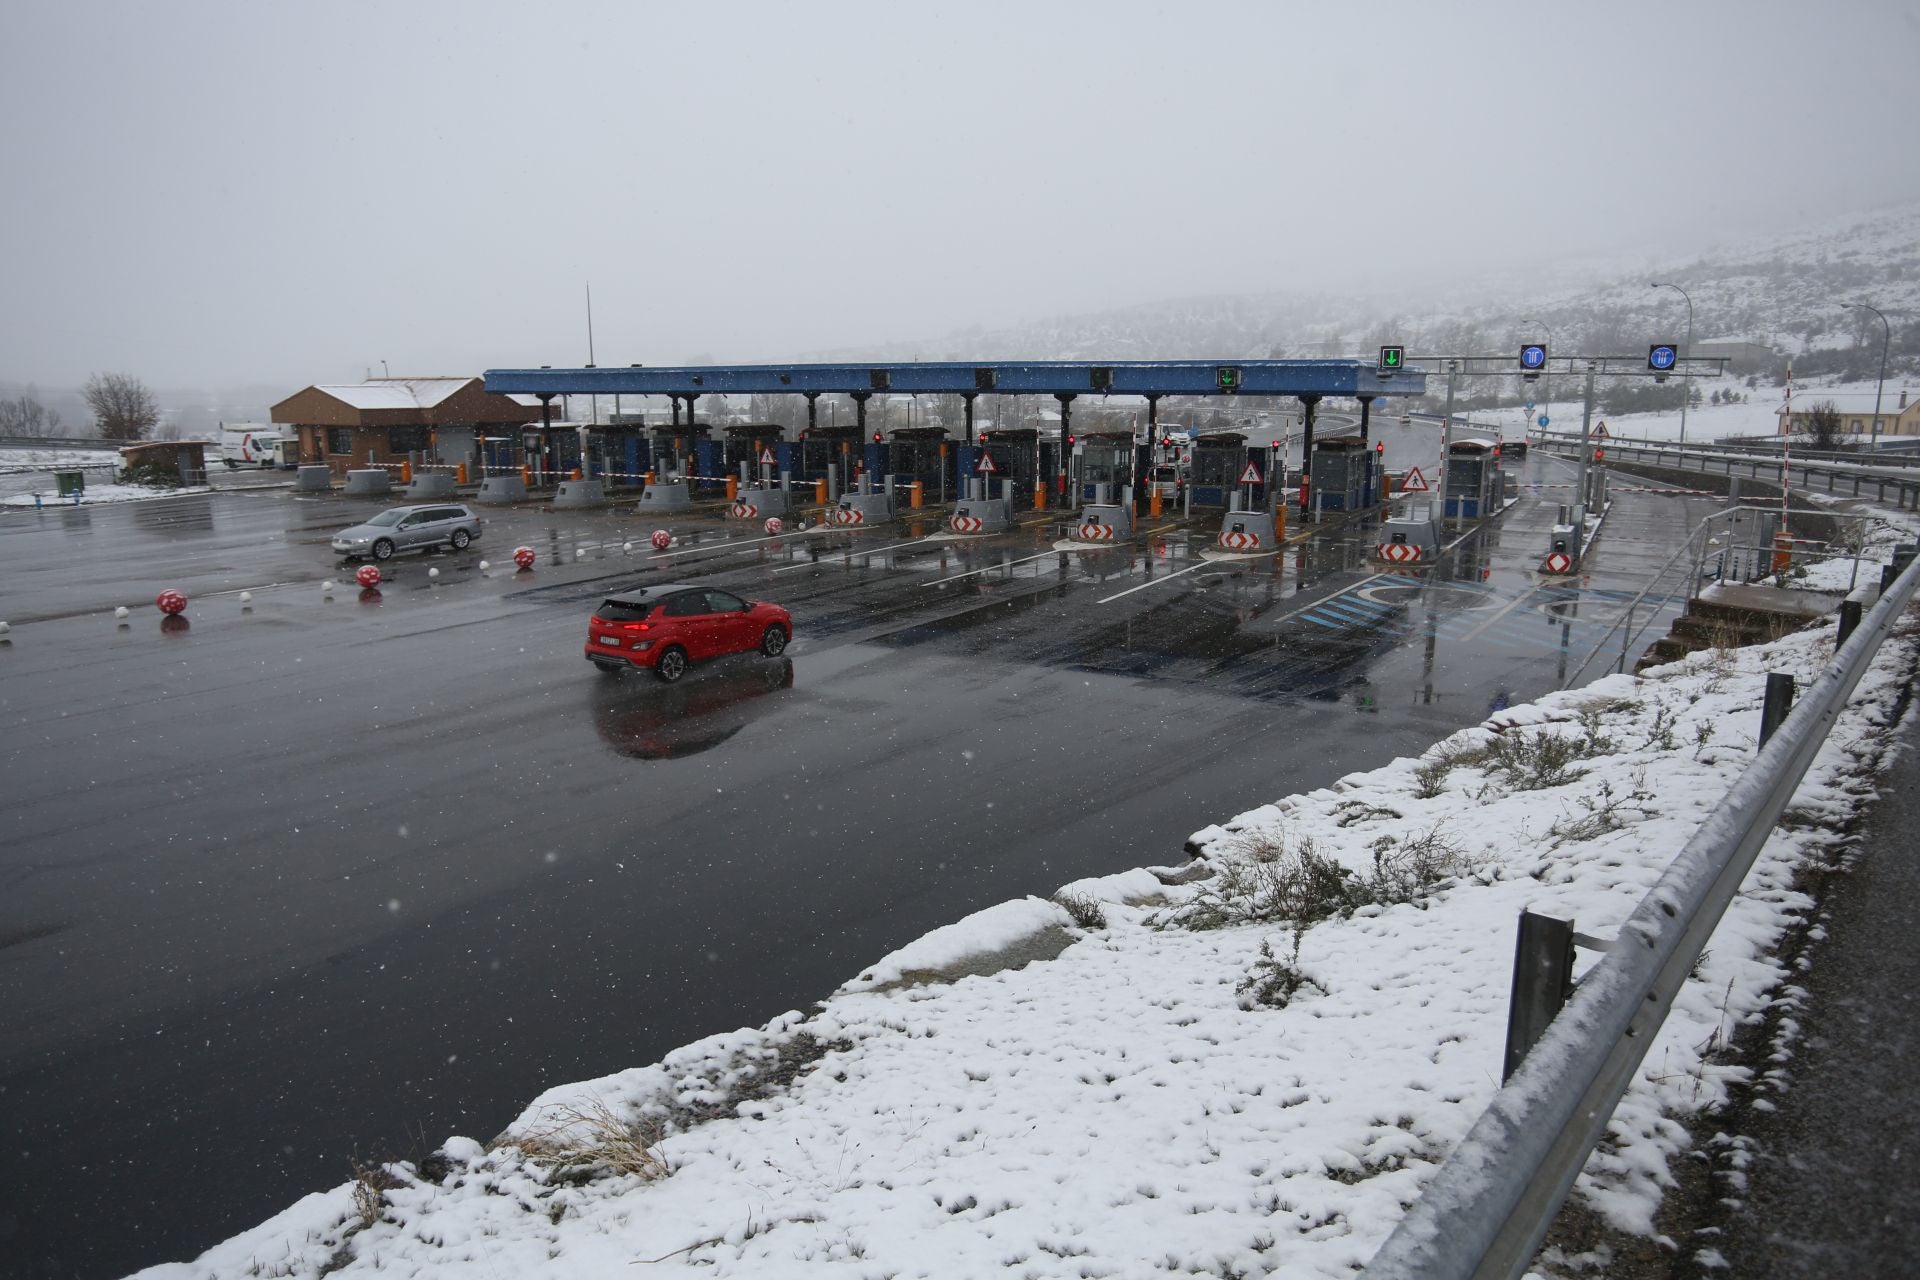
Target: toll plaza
1474 487
746 442
1033 464
1344 478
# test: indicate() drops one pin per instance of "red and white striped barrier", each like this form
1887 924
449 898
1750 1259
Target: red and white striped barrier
847 515
743 510
966 524
1239 541
1557 562
1400 552
1092 531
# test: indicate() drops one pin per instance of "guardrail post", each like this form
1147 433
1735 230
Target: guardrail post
1779 701
1542 981
1902 556
1849 619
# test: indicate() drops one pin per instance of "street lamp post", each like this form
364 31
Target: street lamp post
1886 340
1686 389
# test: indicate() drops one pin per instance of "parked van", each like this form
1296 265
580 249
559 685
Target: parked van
255 444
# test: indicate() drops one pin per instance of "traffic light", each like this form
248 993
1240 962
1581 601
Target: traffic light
876 437
1381 448
1392 358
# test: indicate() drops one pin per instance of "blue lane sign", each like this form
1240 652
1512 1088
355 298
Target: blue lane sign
1660 356
1543 419
1529 406
1533 355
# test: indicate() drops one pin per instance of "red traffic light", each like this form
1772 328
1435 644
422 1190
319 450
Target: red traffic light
1381 447
876 437
1599 455
1070 439
1166 442
1273 444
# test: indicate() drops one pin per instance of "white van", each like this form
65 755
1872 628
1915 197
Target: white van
253 444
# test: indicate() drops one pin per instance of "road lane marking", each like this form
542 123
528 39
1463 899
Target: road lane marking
1005 564
1201 564
865 551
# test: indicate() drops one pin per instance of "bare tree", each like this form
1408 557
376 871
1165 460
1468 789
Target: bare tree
123 408
25 416
1823 424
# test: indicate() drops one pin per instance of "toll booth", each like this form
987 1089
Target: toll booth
1473 480
1215 464
623 454
744 442
1110 459
1342 470
671 449
831 450
923 456
1017 460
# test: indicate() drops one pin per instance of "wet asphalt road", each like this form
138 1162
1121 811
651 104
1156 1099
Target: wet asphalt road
321 874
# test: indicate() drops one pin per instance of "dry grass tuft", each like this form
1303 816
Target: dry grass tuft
587 1139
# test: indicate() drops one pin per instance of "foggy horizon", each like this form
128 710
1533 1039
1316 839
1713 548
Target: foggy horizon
223 195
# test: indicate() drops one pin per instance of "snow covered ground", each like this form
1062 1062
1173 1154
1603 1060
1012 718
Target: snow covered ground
1251 1073
1760 416
23 471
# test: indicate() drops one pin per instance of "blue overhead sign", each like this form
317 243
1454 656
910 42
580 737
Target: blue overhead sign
1661 357
1533 356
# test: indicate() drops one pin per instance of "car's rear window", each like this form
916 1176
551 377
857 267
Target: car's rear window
623 611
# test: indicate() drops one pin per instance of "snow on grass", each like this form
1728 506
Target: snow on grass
1140 1104
97 494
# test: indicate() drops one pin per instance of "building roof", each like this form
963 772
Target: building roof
395 393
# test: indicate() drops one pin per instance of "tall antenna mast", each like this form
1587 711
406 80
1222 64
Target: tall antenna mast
590 323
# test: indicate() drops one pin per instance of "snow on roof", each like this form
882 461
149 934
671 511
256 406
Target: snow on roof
394 393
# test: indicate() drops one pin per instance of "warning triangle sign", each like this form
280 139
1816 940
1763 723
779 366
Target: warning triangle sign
1249 476
766 457
1414 483
986 467
1601 433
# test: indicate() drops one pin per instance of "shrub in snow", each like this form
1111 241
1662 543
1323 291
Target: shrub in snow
1274 983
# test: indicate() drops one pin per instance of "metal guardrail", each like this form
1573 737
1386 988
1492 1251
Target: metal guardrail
1486 1210
1841 481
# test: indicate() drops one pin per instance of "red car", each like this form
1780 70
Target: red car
669 626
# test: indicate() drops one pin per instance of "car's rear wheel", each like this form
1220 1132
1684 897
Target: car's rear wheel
460 539
383 549
671 665
774 643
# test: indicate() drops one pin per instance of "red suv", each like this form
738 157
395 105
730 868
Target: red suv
666 627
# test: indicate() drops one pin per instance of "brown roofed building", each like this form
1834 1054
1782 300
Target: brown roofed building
388 420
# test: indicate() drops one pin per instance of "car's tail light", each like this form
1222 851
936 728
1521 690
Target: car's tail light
636 626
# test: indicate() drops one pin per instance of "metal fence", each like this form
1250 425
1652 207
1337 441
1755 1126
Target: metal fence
1861 479
1489 1206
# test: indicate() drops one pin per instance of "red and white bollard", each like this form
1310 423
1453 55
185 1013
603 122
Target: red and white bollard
367 575
524 557
170 602
773 525
661 539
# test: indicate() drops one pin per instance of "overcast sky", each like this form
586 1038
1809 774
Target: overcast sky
210 194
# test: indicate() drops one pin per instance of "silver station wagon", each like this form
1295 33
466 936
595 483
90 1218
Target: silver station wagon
441 524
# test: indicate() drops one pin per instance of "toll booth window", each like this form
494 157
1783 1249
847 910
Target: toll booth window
1216 466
